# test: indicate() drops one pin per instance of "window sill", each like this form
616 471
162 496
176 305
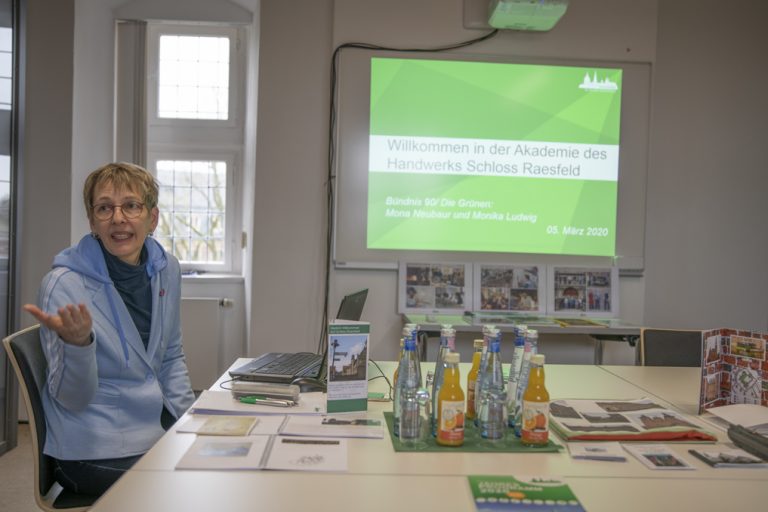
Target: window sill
212 278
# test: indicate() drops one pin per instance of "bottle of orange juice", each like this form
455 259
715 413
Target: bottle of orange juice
472 378
450 404
535 421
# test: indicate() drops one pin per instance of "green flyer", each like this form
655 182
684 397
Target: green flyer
535 493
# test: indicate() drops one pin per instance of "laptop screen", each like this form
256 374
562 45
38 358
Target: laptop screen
351 307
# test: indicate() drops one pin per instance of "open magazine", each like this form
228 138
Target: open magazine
623 420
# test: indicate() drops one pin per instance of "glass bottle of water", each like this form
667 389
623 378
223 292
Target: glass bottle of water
531 348
447 344
514 372
405 404
489 332
493 400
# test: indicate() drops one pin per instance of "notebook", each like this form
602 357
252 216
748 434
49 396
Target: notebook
286 367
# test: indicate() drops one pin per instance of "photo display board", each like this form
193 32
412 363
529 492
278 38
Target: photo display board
524 290
443 288
583 292
510 288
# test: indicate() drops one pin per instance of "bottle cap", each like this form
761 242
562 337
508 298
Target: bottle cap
538 359
452 357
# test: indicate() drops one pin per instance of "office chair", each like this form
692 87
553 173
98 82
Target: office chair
29 363
670 347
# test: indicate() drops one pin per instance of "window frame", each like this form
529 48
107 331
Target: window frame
236 72
232 221
202 139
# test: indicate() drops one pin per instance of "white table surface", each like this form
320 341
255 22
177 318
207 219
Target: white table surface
379 478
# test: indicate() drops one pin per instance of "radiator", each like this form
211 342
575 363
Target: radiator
201 331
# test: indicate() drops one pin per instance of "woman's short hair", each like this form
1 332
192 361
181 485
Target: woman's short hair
122 176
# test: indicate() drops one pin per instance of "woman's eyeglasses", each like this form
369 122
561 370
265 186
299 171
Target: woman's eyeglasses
105 211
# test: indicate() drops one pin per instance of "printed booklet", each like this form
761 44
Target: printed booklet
657 456
500 493
604 450
728 458
266 452
623 420
733 368
333 426
348 366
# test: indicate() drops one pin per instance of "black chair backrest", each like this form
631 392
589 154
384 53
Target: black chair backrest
32 364
671 347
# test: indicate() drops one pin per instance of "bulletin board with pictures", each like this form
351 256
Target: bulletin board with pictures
442 288
510 288
591 292
734 368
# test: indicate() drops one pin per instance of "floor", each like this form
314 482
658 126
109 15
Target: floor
17 476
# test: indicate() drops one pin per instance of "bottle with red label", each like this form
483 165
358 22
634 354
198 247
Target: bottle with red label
535 420
450 404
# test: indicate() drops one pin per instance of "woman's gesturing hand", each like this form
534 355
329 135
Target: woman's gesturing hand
73 323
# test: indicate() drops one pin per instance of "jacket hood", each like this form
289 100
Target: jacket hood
86 258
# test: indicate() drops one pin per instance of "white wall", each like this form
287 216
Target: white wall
47 143
706 235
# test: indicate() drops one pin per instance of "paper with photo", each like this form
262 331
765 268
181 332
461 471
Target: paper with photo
266 452
657 456
347 366
212 452
623 420
265 425
345 425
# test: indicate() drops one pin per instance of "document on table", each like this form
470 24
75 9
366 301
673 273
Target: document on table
340 425
657 456
264 425
751 416
604 450
266 452
209 452
222 402
308 454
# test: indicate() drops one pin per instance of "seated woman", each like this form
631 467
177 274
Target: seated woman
110 330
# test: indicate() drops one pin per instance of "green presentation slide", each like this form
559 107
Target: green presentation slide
493 157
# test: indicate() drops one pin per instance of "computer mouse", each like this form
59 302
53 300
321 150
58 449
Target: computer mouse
308 384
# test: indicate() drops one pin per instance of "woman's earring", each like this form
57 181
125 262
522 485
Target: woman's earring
95 235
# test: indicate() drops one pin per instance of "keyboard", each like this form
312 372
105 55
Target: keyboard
279 367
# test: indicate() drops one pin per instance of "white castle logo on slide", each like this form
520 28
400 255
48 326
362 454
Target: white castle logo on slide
593 84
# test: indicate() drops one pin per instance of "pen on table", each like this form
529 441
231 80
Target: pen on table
265 400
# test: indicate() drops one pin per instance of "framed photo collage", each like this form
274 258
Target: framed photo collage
528 289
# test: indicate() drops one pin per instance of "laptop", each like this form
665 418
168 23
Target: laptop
287 367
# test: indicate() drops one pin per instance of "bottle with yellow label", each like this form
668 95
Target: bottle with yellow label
472 378
535 420
450 405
